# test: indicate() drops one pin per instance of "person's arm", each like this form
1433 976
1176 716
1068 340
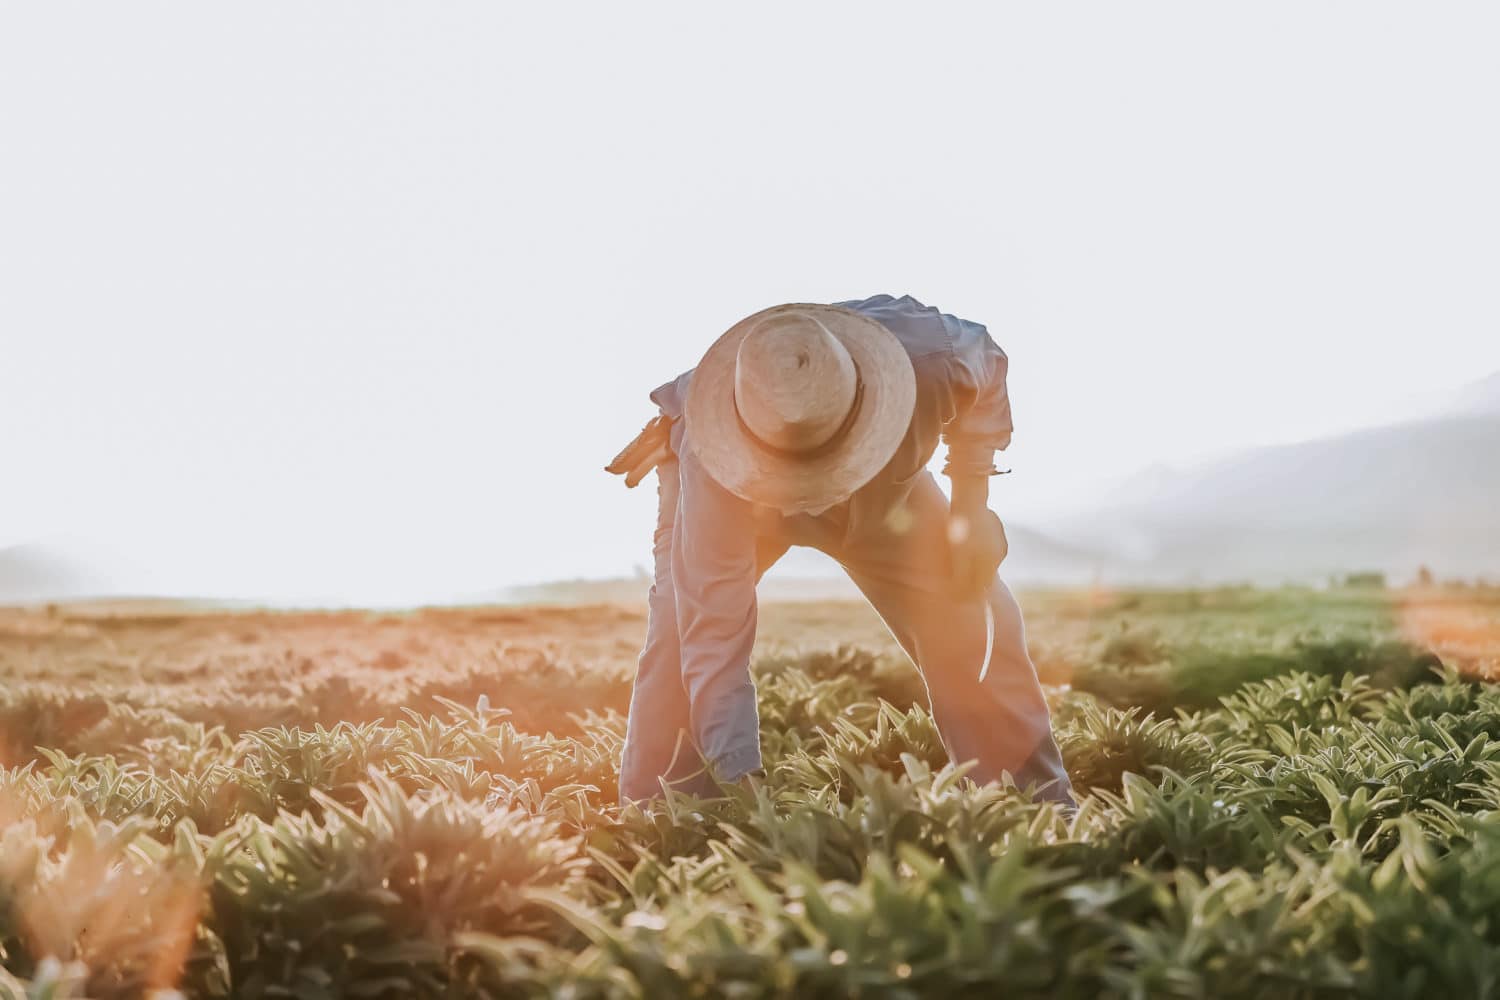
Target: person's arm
713 574
981 427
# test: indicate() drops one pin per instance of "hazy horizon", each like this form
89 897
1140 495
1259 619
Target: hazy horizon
356 312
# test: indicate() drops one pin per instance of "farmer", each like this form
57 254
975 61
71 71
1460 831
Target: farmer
813 425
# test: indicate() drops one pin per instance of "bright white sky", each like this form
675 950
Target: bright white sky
351 301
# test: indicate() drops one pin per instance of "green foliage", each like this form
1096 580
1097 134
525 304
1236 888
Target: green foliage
1101 745
1262 813
367 903
1197 675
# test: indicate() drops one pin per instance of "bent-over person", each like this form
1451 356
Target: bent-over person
813 425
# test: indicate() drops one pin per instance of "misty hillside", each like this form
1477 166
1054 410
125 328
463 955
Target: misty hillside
1481 398
31 573
1424 492
1391 498
804 574
1036 558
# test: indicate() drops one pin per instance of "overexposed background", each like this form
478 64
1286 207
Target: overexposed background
350 302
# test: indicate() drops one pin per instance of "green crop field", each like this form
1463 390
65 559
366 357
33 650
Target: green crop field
1282 794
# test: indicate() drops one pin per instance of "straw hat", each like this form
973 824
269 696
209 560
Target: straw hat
800 405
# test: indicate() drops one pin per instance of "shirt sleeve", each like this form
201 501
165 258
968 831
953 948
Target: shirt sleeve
981 424
671 397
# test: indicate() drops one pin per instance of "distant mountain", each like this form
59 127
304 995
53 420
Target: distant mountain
1037 557
1480 398
804 574
1426 492
1421 492
31 573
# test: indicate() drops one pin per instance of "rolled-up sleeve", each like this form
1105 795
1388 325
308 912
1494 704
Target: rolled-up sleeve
981 424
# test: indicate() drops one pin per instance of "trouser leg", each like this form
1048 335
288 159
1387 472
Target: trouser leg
659 740
1001 721
657 734
721 546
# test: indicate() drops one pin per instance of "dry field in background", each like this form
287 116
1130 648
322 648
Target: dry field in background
289 667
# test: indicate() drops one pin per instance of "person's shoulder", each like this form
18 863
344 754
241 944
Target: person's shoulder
922 329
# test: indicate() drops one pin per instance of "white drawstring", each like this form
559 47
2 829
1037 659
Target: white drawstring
989 638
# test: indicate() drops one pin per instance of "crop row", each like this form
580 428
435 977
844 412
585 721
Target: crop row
1310 834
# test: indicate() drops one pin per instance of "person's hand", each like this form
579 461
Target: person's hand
651 447
976 547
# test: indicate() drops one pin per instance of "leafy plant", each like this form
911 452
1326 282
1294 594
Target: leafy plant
1272 802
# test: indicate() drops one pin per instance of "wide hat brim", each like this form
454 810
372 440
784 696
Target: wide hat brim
744 466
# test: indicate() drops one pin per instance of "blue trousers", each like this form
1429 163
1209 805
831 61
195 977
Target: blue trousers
899 561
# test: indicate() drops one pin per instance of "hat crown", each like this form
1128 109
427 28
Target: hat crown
794 382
